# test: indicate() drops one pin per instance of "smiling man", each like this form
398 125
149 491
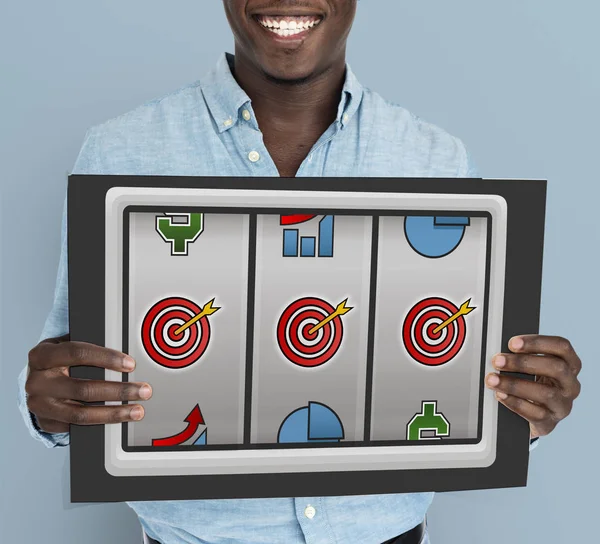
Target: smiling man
287 104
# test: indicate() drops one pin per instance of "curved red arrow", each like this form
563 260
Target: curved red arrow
194 420
295 219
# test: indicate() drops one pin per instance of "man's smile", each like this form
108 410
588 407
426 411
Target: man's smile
288 28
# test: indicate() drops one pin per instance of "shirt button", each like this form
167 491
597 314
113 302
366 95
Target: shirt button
253 156
228 122
246 115
345 117
310 512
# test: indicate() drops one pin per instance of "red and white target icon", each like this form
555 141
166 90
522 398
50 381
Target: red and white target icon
434 330
176 331
310 331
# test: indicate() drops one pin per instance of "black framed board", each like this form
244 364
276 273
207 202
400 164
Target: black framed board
313 336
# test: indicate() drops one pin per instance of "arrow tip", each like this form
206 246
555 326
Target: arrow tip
195 417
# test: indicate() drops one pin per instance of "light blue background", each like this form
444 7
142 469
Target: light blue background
517 80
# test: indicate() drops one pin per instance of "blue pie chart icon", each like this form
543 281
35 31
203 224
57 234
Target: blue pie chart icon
435 236
313 423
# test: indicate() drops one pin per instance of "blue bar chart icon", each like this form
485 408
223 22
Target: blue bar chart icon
307 246
326 236
295 245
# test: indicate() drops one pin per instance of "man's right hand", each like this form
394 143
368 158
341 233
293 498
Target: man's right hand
57 400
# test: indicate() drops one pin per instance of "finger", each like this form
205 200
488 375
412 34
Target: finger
78 414
58 339
51 426
537 415
547 345
48 355
546 395
549 366
63 387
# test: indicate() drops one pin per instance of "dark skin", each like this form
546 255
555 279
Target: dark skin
295 88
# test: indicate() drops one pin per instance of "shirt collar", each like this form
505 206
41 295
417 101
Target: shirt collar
225 97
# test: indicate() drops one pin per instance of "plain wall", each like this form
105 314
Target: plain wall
517 80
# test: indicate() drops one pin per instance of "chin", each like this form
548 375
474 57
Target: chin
290 71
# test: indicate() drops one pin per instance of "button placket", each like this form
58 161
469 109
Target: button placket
324 140
310 512
252 150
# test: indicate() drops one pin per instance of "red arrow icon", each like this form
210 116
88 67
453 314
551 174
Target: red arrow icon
194 419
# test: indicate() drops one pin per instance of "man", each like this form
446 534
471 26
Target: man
286 105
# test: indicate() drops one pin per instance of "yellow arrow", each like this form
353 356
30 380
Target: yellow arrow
464 310
340 310
206 310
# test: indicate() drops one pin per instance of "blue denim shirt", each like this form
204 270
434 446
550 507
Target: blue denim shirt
209 128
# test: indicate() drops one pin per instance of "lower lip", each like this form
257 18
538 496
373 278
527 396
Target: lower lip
300 36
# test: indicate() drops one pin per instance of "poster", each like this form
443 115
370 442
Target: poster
312 337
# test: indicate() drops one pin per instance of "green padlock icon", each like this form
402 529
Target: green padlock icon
180 235
428 420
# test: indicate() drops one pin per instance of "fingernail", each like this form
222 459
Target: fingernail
501 395
145 392
516 342
493 380
499 361
128 363
136 413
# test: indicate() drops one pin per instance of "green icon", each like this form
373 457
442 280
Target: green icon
180 235
428 420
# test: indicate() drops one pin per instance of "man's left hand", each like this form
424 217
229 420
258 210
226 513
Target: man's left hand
547 400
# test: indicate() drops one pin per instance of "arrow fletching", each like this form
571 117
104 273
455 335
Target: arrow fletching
341 308
465 308
208 308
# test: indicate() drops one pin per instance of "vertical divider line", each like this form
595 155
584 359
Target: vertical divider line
371 331
250 327
124 310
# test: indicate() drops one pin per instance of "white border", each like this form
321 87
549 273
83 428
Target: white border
160 463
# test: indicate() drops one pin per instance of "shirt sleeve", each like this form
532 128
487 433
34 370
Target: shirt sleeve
533 443
466 165
472 170
57 321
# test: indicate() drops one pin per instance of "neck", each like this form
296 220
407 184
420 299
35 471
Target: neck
310 103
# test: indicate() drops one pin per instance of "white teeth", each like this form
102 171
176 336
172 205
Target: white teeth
285 32
288 27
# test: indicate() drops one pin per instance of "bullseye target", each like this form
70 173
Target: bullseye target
160 340
422 343
296 341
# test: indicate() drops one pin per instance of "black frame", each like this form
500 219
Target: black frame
253 212
90 482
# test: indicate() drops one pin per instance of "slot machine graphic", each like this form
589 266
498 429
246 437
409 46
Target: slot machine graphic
349 331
